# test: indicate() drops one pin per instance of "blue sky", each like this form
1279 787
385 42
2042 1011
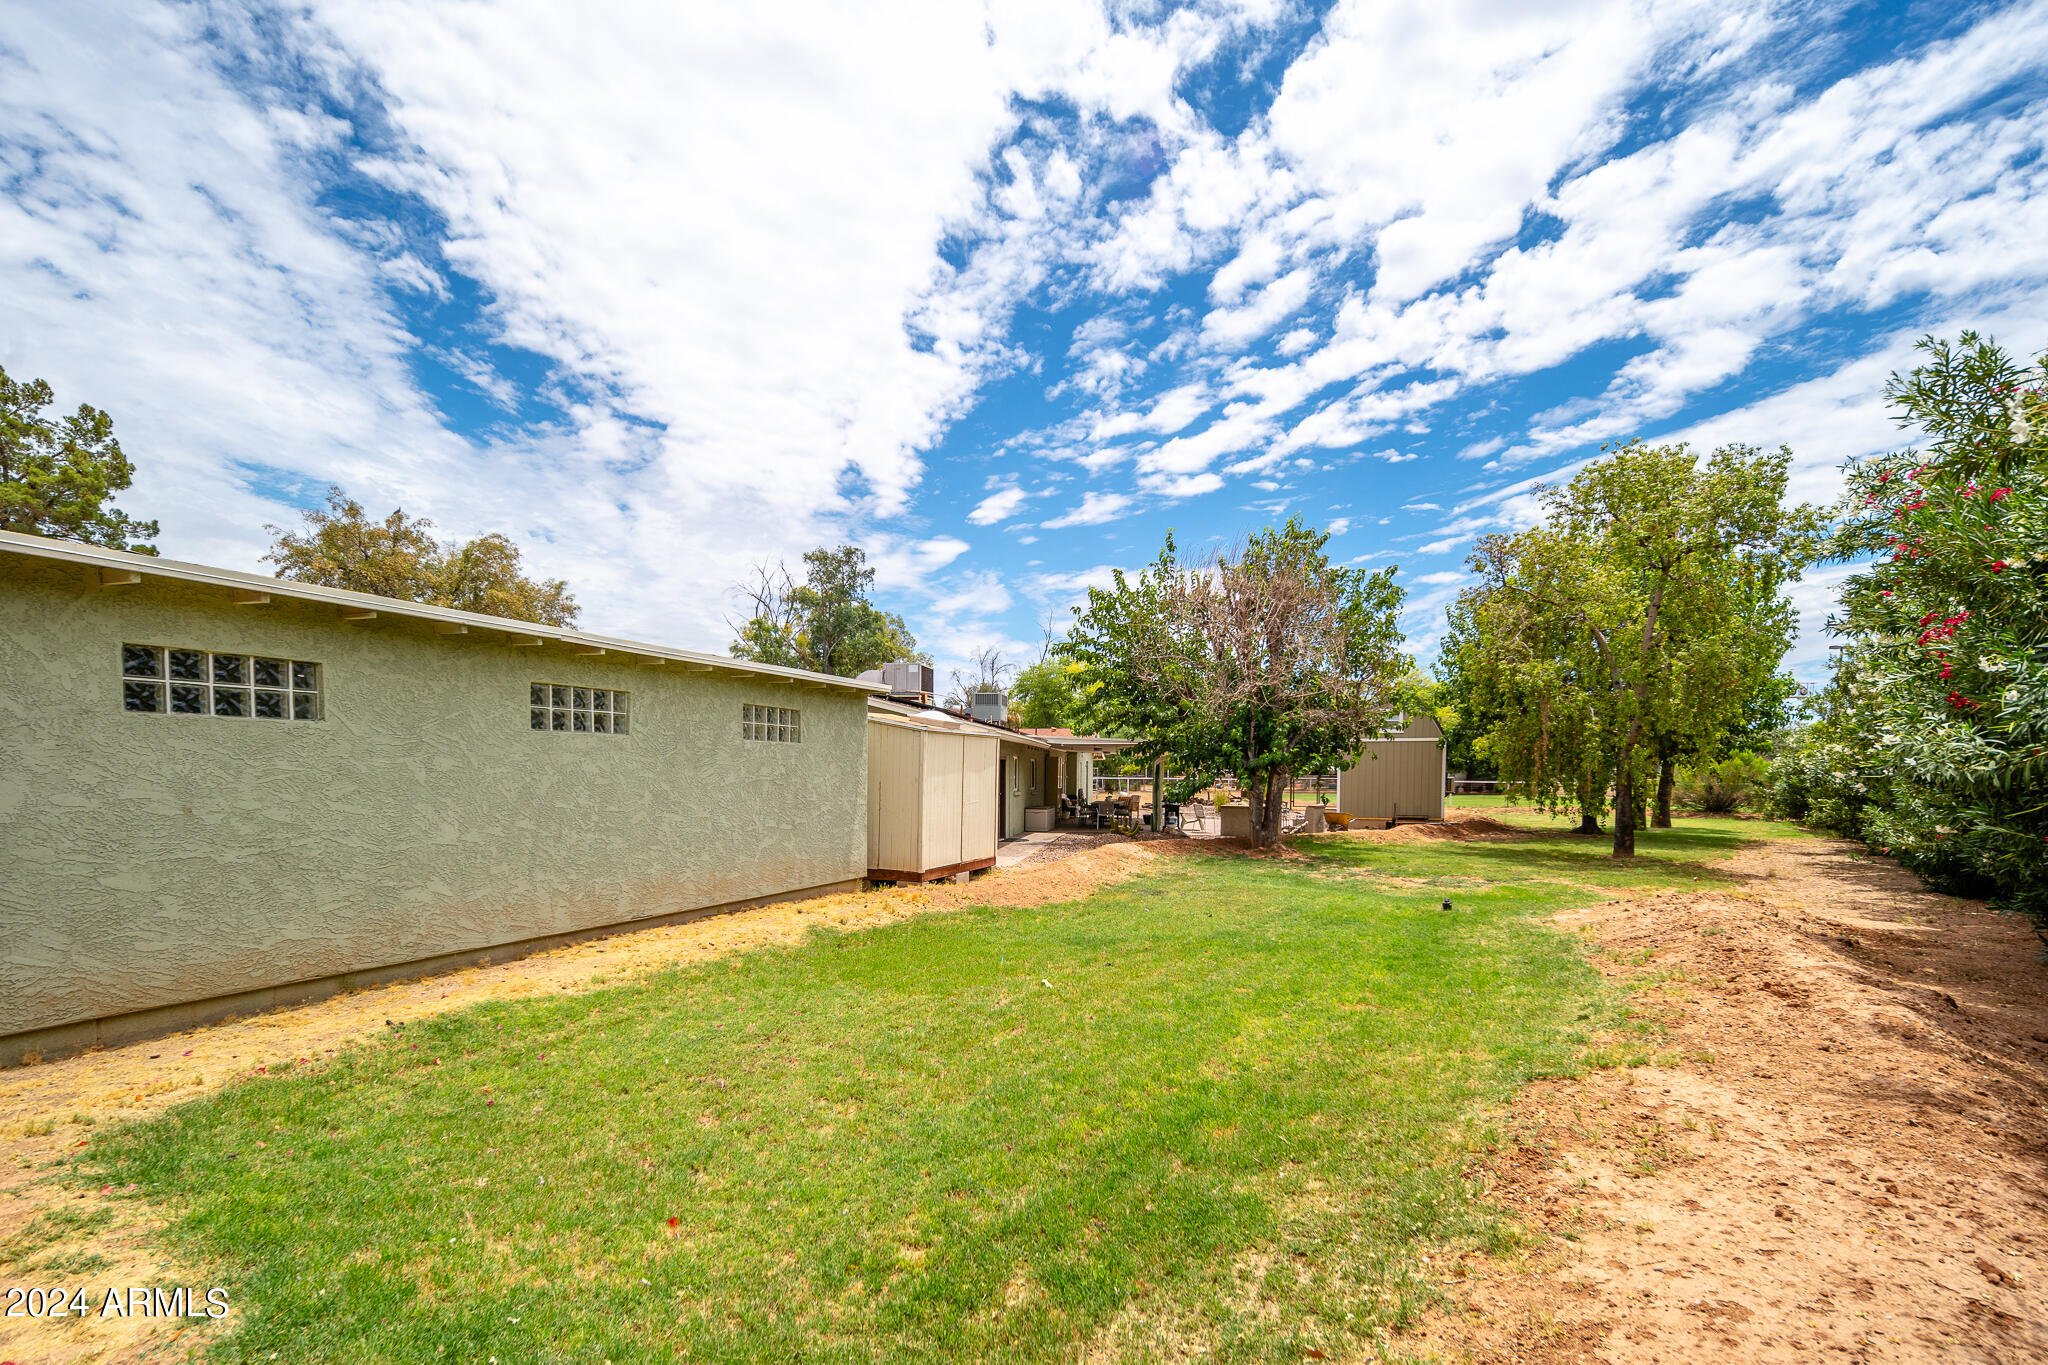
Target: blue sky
1000 292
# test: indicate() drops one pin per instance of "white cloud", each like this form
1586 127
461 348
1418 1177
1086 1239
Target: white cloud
1093 510
769 257
997 506
1183 485
979 594
1229 327
1296 341
1815 598
1170 412
722 228
1869 190
1061 590
1442 577
903 563
1338 525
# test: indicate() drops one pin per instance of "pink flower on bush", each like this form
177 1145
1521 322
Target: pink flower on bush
1999 494
1998 566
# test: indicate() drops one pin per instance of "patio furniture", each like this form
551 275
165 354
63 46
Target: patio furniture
1173 815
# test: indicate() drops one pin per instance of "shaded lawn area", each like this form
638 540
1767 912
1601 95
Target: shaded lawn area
1224 1103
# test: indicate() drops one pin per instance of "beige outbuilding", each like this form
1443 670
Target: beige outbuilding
1400 776
935 792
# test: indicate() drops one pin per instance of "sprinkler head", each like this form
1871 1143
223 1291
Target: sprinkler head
1447 905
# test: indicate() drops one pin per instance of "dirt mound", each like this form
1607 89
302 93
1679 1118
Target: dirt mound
1836 1151
1456 824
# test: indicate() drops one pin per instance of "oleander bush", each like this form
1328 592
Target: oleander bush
1929 742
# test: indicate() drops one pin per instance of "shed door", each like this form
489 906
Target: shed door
977 799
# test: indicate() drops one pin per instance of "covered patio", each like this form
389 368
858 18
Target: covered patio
1071 781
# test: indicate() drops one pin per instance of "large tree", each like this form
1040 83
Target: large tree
1265 662
58 475
1637 621
399 557
826 623
1047 695
1532 686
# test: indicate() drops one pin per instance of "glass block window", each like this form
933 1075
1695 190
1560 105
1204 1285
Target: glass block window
198 682
779 724
577 710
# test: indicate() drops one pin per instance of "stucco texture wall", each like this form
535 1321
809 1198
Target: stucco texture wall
156 859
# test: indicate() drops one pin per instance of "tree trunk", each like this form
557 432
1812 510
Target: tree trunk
1276 807
1589 803
1265 793
1624 812
1662 819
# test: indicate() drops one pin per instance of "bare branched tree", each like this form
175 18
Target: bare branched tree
765 595
986 672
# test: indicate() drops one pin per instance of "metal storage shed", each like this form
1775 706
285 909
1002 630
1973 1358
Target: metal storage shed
932 790
1400 777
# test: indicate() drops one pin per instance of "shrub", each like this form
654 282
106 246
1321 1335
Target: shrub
1941 696
1729 785
1818 781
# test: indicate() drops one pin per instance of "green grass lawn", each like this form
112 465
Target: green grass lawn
1225 1103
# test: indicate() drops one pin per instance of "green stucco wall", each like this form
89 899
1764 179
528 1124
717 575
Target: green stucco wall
147 860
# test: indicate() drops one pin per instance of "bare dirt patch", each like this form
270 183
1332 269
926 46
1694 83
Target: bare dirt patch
52 1235
1839 1154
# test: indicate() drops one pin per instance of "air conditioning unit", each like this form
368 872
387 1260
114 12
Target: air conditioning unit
907 679
989 706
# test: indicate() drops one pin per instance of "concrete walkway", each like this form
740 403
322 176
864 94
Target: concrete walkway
1049 846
